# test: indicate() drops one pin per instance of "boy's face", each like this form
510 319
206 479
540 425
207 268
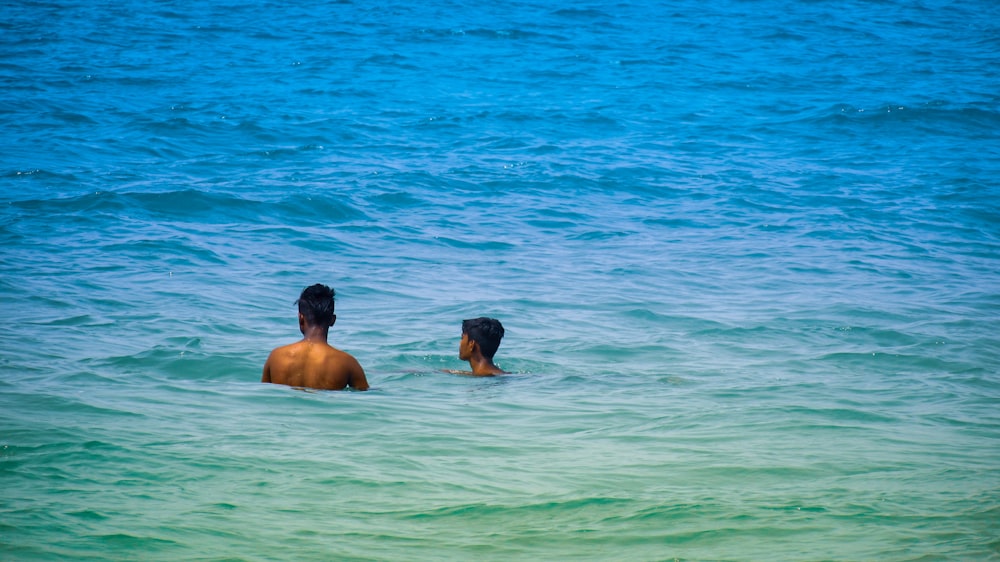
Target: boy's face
465 348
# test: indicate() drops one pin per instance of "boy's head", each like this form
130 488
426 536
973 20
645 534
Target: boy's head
486 333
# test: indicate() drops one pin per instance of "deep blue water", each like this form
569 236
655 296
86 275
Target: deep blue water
746 254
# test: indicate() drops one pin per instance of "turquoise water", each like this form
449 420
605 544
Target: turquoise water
746 254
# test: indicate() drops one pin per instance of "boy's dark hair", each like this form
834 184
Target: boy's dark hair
487 332
316 305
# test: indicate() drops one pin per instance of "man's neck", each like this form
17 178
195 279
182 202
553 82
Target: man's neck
315 334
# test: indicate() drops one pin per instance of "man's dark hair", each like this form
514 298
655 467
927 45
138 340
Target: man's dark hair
316 305
487 332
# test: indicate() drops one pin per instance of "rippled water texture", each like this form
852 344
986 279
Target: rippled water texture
746 254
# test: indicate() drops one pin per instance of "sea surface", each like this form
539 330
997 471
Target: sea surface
747 254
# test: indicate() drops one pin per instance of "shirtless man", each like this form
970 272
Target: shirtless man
480 340
313 363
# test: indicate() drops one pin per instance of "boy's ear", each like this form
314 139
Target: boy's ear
333 319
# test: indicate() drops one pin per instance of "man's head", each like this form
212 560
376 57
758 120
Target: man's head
485 333
316 306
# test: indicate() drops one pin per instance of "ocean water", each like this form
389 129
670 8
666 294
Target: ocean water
747 254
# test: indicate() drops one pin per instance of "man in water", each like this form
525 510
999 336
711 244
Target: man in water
313 363
480 340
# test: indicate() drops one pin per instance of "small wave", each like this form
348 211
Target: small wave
78 320
72 118
41 175
506 34
937 117
203 206
394 60
602 235
481 245
581 14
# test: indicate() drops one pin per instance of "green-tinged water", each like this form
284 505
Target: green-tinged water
819 459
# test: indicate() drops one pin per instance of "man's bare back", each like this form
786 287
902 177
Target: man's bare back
314 365
312 362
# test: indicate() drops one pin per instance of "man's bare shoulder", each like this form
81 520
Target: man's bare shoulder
333 354
314 365
310 351
287 350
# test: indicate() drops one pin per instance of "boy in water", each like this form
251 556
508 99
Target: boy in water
312 362
480 340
